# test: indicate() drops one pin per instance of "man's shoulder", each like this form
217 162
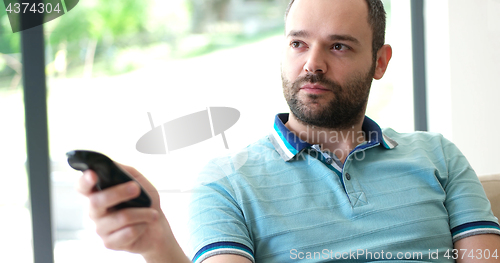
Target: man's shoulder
234 163
430 142
410 135
261 147
416 138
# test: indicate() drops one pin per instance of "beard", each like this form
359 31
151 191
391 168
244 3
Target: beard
343 111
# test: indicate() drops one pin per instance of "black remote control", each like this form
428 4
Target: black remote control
108 172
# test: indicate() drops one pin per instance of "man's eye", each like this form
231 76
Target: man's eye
296 44
340 47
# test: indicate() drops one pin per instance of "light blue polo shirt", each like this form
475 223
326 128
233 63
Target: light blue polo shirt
396 197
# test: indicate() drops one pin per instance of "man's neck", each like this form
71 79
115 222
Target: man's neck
338 141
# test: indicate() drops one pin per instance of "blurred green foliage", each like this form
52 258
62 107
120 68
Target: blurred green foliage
102 22
93 19
9 42
108 34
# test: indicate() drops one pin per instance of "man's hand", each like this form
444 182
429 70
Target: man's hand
139 230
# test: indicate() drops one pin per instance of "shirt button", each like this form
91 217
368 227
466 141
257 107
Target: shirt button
348 176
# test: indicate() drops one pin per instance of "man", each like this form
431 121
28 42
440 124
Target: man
327 184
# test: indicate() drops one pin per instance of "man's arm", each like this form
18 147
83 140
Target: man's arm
138 230
474 248
145 231
227 259
468 208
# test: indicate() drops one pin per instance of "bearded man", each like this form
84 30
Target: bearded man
327 184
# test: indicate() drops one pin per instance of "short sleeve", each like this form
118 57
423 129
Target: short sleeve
216 222
468 207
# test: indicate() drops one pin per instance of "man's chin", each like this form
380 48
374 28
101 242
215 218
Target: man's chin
321 118
316 107
311 117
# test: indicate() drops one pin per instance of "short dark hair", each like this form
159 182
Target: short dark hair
376 19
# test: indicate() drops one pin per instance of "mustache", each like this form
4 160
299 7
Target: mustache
314 78
319 79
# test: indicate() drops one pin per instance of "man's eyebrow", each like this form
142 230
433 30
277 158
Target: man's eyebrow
303 33
344 38
297 33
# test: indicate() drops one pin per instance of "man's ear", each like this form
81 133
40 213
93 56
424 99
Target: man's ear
384 54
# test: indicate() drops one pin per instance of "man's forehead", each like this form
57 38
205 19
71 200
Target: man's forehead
338 16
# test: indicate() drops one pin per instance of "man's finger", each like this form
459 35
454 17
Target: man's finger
123 239
145 183
136 175
87 182
103 200
124 218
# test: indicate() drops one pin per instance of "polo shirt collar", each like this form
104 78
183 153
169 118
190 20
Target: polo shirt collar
287 144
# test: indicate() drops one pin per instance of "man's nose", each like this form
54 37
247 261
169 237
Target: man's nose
315 61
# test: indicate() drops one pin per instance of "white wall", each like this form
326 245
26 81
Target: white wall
463 69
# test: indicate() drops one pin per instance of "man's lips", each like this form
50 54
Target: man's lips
314 88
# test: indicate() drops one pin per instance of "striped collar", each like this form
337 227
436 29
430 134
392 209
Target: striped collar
287 144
